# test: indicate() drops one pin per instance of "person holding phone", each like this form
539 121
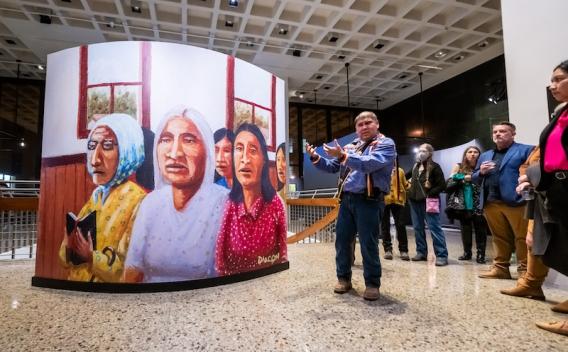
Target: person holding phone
497 172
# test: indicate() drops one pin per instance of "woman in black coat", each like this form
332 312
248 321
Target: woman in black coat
551 203
426 184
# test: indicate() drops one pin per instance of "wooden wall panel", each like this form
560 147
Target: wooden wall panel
64 188
41 223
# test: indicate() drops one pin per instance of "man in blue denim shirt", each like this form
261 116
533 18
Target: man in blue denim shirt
365 167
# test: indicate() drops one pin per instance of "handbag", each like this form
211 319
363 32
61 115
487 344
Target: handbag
433 205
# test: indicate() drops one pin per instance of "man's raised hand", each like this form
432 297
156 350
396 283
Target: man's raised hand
335 151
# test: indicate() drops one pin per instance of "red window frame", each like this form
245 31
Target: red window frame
231 99
145 66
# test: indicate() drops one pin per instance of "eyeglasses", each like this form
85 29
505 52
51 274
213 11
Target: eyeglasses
107 144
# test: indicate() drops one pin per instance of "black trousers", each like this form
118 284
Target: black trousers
479 224
397 213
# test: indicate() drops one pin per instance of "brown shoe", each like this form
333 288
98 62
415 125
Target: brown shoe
560 307
524 291
371 294
495 273
559 327
342 286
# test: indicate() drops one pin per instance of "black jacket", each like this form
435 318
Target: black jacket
437 183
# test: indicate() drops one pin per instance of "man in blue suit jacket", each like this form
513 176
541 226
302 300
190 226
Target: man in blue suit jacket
497 171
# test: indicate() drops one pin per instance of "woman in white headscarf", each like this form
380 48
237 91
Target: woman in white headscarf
115 150
175 233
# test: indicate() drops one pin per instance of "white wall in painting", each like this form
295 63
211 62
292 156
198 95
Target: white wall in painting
252 83
188 76
179 75
107 62
61 105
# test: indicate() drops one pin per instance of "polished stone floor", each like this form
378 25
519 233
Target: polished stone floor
422 308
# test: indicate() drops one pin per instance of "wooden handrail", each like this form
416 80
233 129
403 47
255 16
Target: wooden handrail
321 223
19 204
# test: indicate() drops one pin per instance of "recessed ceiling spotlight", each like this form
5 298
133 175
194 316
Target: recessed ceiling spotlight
402 76
65 0
319 77
327 87
40 67
282 30
440 54
404 86
341 57
458 58
378 45
482 44
45 19
332 37
296 52
11 41
136 6
110 22
234 3
250 43
229 21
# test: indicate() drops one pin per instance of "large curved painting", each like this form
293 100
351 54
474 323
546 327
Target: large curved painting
159 168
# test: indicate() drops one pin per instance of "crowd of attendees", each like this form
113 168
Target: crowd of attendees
515 192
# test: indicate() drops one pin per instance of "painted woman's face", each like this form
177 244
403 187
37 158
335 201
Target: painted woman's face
281 165
103 154
249 160
559 85
224 158
472 155
181 153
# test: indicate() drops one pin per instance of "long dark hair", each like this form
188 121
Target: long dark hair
563 66
464 166
267 190
282 147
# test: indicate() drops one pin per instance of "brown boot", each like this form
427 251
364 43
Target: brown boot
559 327
342 286
525 291
371 294
495 273
561 307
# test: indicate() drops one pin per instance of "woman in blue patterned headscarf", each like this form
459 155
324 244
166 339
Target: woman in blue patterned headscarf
115 150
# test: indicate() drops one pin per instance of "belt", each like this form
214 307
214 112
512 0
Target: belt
561 175
378 196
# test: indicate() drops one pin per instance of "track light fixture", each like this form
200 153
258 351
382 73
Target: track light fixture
136 6
234 3
332 37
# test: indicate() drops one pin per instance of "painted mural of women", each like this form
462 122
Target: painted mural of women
175 232
115 150
281 170
224 139
253 232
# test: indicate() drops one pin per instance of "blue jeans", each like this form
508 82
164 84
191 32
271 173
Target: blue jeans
357 214
418 214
